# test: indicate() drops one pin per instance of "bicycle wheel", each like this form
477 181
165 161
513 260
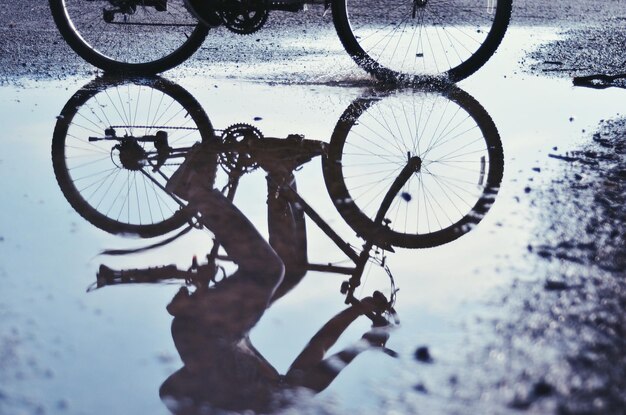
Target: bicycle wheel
407 40
458 178
103 163
129 36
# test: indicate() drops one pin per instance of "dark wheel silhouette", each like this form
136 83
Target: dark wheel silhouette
106 157
129 36
456 156
408 40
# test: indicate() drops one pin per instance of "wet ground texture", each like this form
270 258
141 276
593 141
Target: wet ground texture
582 311
532 321
570 317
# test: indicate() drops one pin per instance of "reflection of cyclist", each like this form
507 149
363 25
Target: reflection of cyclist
222 369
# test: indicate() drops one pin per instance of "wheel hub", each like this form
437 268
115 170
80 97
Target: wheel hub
131 155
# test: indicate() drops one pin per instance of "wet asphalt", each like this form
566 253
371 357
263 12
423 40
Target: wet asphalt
560 337
32 47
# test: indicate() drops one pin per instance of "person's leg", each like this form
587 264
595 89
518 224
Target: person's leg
287 230
236 303
193 181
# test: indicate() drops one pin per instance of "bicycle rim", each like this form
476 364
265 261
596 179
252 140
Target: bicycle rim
461 166
128 36
116 189
406 40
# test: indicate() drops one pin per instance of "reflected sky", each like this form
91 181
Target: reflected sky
122 149
69 352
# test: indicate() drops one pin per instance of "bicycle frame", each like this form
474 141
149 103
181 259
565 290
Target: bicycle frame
205 274
146 157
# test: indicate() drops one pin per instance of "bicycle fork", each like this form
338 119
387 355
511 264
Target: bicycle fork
413 165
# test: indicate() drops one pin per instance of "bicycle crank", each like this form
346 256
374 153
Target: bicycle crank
244 16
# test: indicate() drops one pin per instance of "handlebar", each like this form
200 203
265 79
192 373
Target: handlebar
376 315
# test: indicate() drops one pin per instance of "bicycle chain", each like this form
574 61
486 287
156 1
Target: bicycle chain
159 127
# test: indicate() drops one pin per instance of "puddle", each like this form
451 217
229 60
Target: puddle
110 351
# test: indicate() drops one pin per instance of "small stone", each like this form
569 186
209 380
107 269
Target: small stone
543 388
420 388
63 404
552 285
422 354
544 254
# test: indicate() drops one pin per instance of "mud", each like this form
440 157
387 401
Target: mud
583 52
578 312
570 305
574 313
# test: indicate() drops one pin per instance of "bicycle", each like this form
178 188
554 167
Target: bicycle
407 41
105 160
108 150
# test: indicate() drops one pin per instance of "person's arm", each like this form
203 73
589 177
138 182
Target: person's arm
287 233
311 370
324 339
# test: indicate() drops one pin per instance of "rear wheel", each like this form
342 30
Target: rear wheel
103 163
129 36
407 40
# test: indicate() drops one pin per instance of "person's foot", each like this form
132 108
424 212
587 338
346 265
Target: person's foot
182 304
205 11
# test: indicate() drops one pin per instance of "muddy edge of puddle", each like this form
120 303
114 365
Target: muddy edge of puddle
562 332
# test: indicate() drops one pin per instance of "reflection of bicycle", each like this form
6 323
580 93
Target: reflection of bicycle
413 169
402 40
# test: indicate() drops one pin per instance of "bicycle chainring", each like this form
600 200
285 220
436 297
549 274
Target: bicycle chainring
244 16
239 161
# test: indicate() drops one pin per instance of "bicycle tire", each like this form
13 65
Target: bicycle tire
90 176
448 153
411 41
145 42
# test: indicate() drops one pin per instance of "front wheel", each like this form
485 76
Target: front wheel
414 169
129 36
407 40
